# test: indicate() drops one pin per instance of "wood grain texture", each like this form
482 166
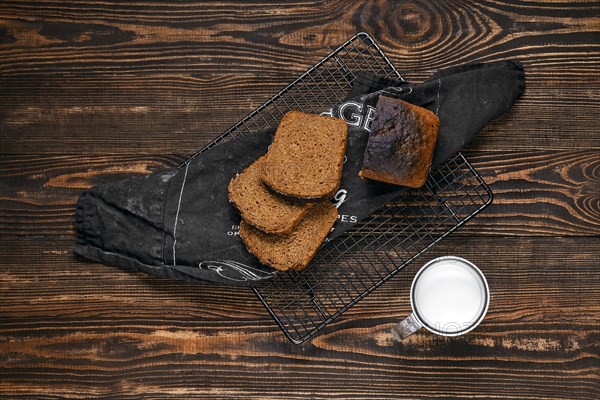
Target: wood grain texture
88 76
92 92
536 192
88 330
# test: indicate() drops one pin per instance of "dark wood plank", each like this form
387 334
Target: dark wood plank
47 265
536 192
97 78
82 329
92 92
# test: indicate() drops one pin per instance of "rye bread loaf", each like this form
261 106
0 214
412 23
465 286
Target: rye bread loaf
401 143
296 249
262 208
306 157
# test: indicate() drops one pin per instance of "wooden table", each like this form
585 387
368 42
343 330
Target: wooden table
91 92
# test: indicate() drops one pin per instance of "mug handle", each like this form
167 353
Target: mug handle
406 328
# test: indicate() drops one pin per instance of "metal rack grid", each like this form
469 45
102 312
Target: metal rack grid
317 90
351 266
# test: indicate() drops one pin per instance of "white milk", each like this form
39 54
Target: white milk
449 296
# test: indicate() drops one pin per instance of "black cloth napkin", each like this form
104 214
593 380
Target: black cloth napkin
179 223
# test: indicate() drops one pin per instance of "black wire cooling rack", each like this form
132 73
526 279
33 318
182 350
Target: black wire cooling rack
353 265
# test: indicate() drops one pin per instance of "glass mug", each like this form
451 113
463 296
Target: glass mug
449 296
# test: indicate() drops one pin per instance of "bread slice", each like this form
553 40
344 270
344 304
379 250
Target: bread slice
306 157
295 250
400 147
260 207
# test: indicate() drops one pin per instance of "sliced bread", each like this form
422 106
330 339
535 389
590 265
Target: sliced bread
295 250
262 208
400 147
306 157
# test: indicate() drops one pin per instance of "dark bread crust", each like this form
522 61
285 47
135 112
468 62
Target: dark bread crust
297 249
401 143
262 208
306 157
